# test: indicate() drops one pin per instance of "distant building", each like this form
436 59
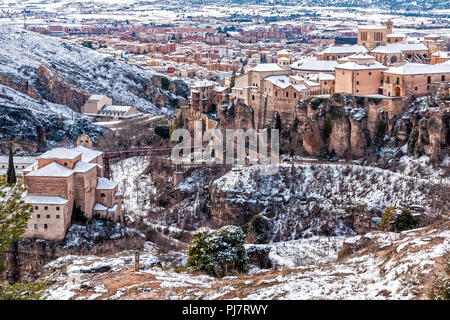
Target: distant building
99 106
373 36
20 163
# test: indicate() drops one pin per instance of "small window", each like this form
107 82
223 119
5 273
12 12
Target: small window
415 88
35 226
46 208
38 216
287 94
442 78
295 95
45 226
57 216
398 80
357 82
65 164
103 195
370 73
36 208
57 208
48 216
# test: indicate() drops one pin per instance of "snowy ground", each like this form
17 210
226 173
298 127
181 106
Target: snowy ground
392 266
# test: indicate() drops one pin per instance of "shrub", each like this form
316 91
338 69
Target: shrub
359 100
440 290
165 83
404 221
315 103
386 218
163 131
379 130
261 227
374 100
218 252
327 128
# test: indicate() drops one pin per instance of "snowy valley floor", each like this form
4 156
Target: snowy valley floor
387 266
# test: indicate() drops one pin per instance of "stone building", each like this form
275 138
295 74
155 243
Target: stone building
334 53
62 179
373 36
414 79
359 76
101 107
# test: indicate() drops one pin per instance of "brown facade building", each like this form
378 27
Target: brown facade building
63 179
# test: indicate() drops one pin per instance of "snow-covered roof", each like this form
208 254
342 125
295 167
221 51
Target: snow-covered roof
18 160
51 170
371 27
325 76
396 35
60 153
95 97
105 184
419 68
82 166
345 49
283 82
203 83
284 51
262 67
111 108
399 47
442 54
114 208
312 64
87 155
44 200
99 207
280 81
363 66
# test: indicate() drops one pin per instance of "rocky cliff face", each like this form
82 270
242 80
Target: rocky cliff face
354 127
32 125
27 257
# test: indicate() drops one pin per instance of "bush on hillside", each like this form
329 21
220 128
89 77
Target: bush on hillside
218 252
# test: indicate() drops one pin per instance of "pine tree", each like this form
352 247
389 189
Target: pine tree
11 174
14 215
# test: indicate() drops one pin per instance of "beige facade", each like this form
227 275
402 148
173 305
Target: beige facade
360 76
50 218
95 103
374 36
413 79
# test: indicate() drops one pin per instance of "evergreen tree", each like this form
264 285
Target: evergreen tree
11 174
232 80
14 215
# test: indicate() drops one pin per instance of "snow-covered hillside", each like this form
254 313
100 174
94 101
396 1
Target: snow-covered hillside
389 266
312 199
22 53
40 122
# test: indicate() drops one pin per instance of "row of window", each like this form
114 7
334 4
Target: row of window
36 227
38 216
45 208
17 167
